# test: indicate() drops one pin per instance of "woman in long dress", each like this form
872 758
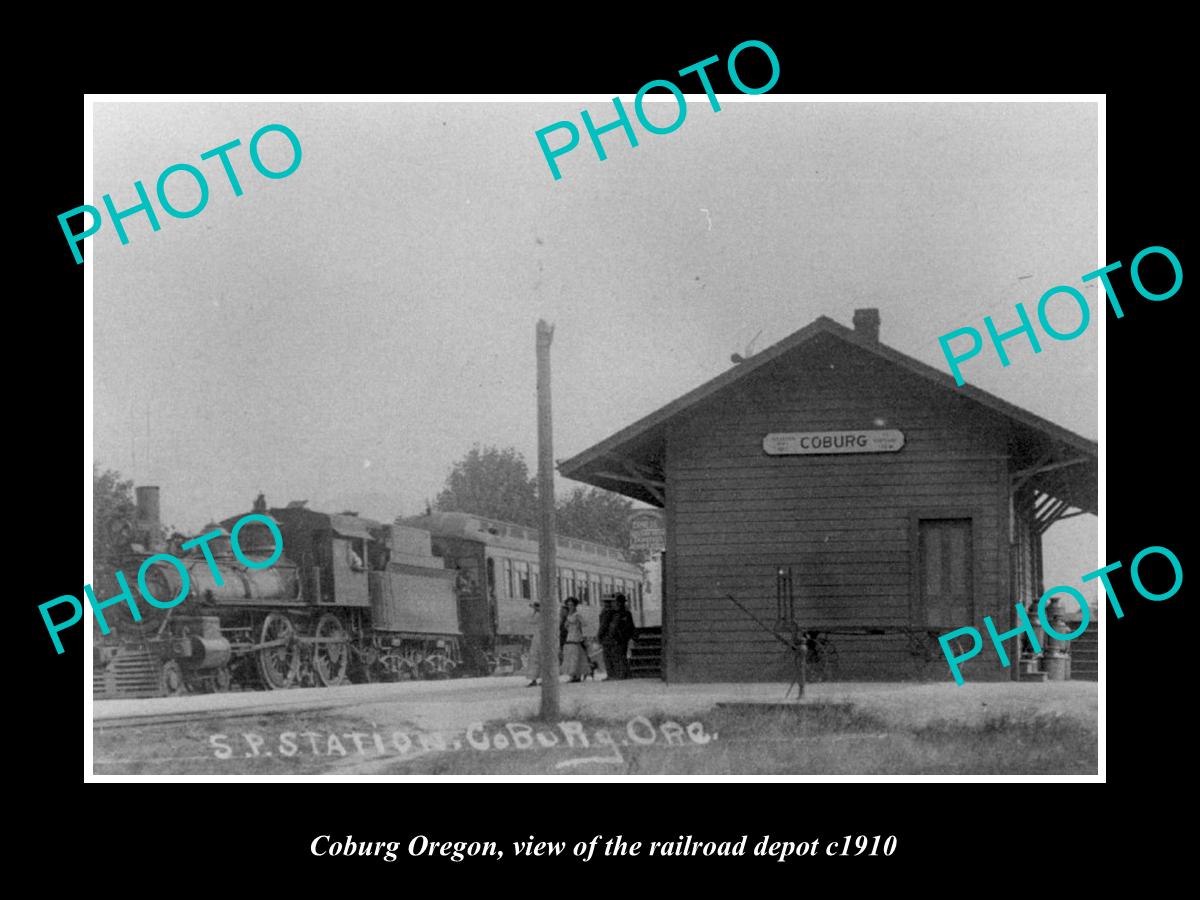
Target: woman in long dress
575 658
534 665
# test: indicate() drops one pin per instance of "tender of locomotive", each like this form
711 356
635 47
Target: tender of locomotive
349 597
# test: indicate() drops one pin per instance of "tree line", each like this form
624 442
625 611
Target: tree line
497 483
487 481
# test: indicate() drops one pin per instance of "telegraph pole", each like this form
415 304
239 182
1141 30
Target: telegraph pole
546 593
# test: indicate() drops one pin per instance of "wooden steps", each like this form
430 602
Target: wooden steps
1085 654
645 655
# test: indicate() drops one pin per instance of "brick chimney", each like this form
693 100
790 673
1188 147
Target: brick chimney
866 324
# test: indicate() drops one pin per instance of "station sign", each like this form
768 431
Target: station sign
802 443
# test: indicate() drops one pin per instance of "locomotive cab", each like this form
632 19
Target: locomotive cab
354 554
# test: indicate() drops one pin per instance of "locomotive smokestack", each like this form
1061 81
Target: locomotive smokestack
149 522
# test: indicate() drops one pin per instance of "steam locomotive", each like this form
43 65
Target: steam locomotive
350 599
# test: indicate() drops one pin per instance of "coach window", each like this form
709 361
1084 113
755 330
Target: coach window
508 578
491 576
584 594
523 579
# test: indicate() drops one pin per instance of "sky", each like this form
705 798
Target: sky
344 334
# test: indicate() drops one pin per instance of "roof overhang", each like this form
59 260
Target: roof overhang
631 461
353 527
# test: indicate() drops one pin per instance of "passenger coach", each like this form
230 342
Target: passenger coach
499 574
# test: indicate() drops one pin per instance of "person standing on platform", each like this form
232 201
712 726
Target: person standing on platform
534 666
616 631
562 630
606 620
575 658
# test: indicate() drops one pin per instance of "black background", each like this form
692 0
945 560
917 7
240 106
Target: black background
951 836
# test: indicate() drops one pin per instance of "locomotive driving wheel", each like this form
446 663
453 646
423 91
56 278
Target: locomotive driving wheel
331 653
278 663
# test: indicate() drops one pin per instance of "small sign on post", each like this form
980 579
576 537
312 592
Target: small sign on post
647 531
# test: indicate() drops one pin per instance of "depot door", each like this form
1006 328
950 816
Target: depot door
945 565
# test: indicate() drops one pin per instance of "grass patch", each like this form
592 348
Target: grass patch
805 739
1004 744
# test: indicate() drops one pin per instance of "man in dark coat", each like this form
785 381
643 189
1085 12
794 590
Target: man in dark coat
616 631
562 627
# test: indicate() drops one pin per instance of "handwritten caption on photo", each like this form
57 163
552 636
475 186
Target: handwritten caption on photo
685 845
512 736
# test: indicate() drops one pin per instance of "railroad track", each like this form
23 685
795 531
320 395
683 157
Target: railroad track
205 707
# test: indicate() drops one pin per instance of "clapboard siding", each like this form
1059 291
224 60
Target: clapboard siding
875 658
802 487
844 524
772 512
775 467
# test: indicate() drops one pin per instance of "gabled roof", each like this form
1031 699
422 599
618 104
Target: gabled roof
645 434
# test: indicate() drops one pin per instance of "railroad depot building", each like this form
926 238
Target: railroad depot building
902 506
